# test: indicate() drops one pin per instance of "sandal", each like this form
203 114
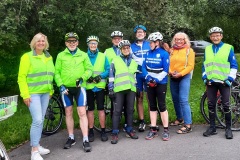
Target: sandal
185 129
177 122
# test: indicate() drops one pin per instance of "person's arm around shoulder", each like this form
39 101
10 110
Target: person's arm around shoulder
105 74
190 62
58 68
87 67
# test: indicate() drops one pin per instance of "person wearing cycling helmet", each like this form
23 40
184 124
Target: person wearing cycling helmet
35 77
155 70
139 49
95 86
122 89
114 50
73 69
182 60
218 72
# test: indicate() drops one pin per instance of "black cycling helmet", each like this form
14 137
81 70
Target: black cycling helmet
116 34
71 35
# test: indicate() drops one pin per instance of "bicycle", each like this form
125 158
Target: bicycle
54 115
8 106
219 108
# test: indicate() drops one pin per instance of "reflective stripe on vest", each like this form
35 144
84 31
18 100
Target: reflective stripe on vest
98 68
217 65
123 79
40 75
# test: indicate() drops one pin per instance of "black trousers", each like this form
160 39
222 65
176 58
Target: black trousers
127 98
212 91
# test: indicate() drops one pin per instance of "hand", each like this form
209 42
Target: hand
27 101
79 82
90 80
148 78
152 83
207 82
176 74
63 89
111 94
97 79
227 83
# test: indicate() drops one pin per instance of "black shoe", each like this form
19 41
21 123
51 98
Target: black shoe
104 136
91 136
228 133
141 127
70 142
210 131
114 139
132 134
87 147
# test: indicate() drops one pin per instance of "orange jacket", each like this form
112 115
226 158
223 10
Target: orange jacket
178 60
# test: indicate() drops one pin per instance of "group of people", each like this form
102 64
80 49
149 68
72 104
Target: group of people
127 70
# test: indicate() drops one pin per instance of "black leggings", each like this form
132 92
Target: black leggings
127 96
157 95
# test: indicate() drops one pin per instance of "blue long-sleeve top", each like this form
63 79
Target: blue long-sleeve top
139 52
231 60
127 60
156 65
116 50
93 56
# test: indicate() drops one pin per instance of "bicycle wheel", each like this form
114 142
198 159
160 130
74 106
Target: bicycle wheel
3 152
108 116
235 109
54 116
204 107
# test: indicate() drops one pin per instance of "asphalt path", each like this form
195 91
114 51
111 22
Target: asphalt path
191 146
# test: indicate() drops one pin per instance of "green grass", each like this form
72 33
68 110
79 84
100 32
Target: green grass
15 130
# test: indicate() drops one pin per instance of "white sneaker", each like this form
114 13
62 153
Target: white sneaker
43 151
36 156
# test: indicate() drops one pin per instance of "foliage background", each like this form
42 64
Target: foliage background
20 20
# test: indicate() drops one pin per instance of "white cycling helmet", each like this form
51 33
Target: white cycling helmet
116 34
124 43
215 30
155 36
92 38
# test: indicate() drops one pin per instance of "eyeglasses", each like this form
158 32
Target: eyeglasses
71 41
93 43
216 36
127 48
179 39
140 32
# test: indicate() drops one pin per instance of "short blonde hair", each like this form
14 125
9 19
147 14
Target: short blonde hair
36 38
186 38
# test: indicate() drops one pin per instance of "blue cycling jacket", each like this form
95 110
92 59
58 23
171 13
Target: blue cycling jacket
156 65
139 52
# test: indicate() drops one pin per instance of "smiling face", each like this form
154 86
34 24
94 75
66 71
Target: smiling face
140 34
216 38
125 50
179 40
116 40
93 45
40 44
71 43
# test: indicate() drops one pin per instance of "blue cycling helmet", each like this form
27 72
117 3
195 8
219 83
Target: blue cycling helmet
139 27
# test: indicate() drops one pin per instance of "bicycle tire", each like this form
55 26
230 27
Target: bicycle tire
108 117
3 152
235 109
204 107
53 117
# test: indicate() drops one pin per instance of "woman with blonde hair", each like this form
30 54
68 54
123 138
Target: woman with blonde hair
182 59
35 79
